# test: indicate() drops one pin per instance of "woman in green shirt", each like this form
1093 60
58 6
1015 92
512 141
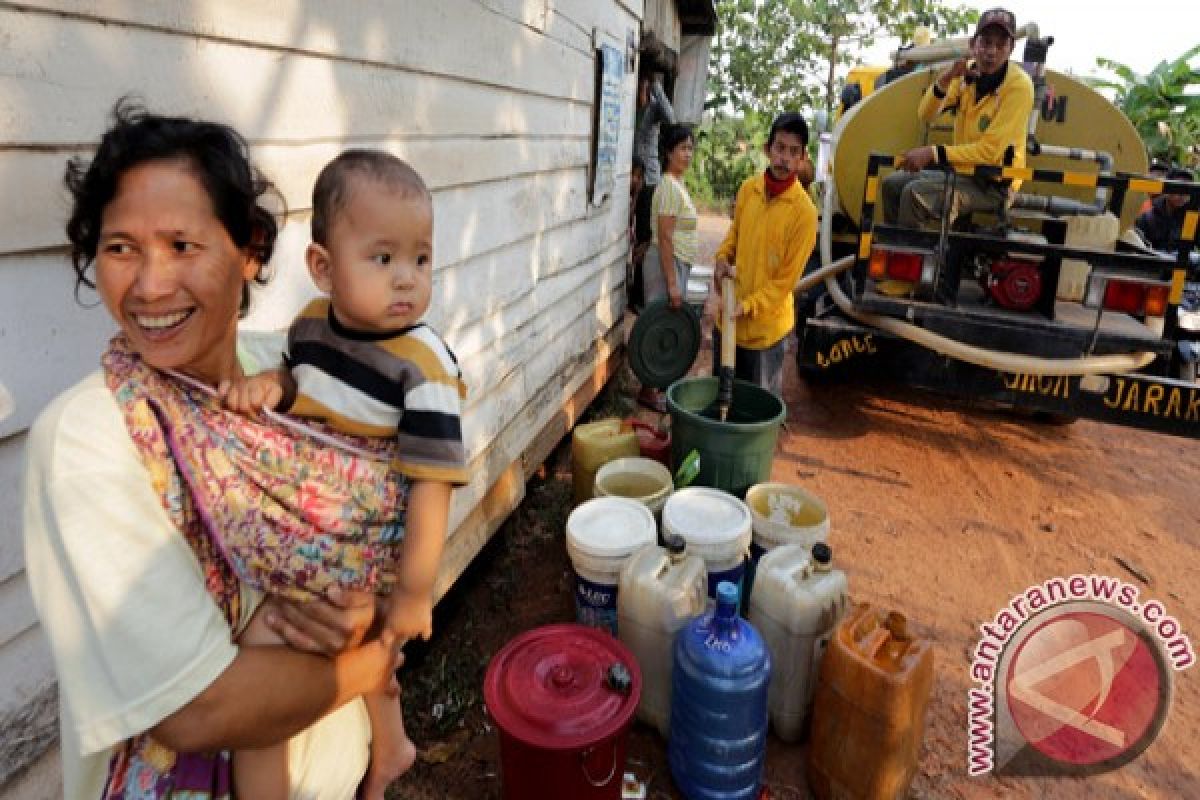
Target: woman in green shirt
668 260
672 250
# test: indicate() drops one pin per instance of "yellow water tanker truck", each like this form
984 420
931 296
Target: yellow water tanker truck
1048 306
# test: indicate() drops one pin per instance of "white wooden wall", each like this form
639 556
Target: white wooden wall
491 100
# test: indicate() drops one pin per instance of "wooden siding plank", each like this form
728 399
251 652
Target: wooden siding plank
47 341
33 218
554 412
508 47
486 422
553 336
19 614
12 468
55 100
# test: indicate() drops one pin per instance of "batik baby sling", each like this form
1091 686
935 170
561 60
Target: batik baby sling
260 503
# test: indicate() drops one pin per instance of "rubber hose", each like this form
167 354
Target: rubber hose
990 359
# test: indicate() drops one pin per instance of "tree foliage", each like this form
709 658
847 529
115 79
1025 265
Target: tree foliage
728 150
1163 105
771 55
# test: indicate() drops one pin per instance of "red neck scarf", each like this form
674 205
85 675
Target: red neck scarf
776 187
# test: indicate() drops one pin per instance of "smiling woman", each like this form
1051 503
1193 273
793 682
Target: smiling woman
169 273
131 476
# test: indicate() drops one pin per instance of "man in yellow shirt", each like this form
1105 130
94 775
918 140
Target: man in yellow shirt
773 233
991 99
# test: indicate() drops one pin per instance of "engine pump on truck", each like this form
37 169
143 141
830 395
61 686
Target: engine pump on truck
1049 305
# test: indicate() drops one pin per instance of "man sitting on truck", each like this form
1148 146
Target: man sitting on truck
991 100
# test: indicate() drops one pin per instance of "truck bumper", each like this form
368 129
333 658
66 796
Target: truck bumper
835 344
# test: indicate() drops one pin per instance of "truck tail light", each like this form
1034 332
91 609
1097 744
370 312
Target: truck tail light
1137 297
899 265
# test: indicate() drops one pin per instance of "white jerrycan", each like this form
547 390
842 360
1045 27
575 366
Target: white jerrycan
797 600
659 591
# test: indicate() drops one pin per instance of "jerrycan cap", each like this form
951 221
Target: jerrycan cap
727 594
562 687
822 554
674 543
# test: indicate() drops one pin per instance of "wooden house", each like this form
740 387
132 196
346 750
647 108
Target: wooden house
518 113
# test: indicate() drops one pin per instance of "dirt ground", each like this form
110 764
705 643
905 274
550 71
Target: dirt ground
940 510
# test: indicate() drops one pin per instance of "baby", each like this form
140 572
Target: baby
361 361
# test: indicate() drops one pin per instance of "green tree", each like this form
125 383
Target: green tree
728 150
775 54
1163 104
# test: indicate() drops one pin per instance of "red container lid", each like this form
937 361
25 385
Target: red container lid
562 687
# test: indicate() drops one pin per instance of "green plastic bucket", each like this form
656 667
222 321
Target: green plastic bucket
736 454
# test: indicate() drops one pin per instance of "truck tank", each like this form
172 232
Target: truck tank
1072 115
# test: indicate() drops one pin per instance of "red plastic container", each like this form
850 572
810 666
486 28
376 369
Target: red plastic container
563 698
652 443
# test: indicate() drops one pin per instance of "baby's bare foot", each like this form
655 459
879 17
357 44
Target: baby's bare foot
386 766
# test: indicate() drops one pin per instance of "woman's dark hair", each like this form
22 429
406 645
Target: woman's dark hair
670 137
216 153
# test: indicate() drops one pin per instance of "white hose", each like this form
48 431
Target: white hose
990 359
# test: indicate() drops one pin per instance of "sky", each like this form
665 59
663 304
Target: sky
1139 33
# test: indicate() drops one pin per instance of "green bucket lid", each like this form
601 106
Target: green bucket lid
664 343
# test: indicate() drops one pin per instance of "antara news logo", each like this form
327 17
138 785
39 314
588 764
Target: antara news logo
1073 677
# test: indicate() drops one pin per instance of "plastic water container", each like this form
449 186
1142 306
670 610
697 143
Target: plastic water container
641 479
1098 233
798 599
593 445
601 534
717 746
869 714
735 454
782 514
659 591
785 514
562 698
716 526
652 442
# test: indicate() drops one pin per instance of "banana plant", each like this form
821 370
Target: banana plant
1163 104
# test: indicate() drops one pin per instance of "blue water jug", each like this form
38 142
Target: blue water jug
719 686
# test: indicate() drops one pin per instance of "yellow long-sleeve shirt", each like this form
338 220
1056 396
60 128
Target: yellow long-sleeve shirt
769 242
984 127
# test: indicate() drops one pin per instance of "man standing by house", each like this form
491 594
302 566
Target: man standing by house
991 99
773 232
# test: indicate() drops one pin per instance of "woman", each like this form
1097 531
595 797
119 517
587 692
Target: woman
668 261
138 604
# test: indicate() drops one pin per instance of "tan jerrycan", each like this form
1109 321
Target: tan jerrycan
869 714
659 591
593 445
797 600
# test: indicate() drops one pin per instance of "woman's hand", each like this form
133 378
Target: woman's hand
722 269
674 295
326 626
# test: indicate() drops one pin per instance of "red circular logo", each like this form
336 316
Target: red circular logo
1086 688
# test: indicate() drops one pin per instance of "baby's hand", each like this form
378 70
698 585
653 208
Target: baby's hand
250 395
408 617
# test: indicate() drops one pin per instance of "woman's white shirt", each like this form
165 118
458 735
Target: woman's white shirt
134 633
